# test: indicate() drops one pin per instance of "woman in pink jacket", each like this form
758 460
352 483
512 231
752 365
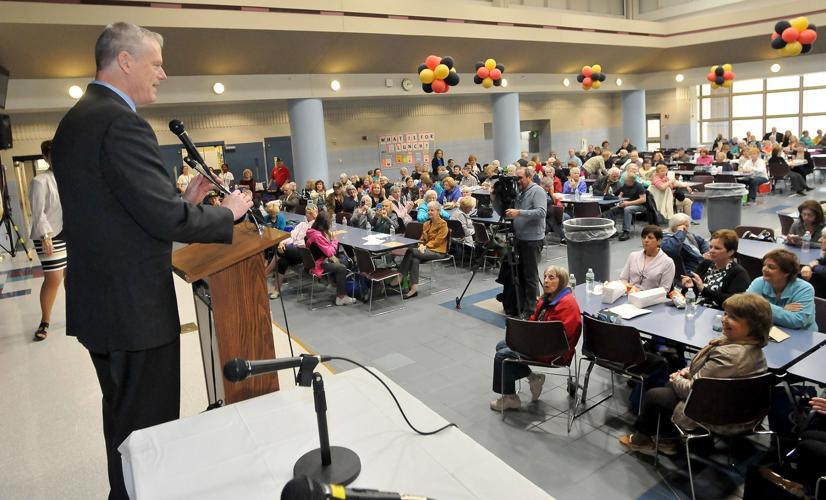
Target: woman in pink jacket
324 248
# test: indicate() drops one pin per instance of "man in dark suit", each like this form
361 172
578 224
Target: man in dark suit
121 215
773 136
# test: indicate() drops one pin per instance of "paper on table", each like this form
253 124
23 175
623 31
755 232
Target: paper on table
392 244
628 311
375 239
778 335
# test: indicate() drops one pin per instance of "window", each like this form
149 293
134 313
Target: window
711 129
653 127
783 103
747 105
740 127
783 82
814 101
814 79
652 134
784 124
716 107
813 124
747 86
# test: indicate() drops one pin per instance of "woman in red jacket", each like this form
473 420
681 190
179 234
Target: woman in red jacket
557 303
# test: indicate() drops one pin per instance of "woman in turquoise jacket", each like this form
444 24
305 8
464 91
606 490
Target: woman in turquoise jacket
792 299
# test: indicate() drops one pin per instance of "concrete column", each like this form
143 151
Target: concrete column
505 127
633 117
309 143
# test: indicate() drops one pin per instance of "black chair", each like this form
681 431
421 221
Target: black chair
786 222
617 348
309 264
431 279
340 216
727 178
703 180
457 233
820 314
752 265
778 172
482 239
724 401
413 230
367 268
540 339
589 209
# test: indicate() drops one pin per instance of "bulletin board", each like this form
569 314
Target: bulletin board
405 150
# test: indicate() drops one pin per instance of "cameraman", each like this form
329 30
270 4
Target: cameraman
528 217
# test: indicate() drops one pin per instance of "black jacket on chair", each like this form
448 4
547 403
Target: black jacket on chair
121 214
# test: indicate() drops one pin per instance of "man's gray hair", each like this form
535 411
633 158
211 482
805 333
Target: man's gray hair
119 37
395 189
434 204
678 219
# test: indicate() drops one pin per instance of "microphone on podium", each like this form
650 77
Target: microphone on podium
305 488
237 369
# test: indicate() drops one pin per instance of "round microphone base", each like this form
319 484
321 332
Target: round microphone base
344 468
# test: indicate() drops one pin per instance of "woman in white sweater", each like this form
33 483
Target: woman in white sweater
757 168
47 229
650 267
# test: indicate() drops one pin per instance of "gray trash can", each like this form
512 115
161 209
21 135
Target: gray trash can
724 200
588 247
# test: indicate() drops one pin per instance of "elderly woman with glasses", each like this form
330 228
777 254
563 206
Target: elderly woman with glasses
792 300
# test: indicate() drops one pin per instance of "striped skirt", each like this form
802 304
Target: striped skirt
57 260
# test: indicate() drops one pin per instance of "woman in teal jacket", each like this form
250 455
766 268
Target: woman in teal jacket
792 299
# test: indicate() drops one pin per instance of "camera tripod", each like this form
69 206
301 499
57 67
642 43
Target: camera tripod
6 221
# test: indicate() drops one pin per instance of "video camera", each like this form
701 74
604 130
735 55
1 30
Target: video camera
505 191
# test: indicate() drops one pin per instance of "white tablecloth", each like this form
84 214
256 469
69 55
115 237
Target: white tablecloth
248 449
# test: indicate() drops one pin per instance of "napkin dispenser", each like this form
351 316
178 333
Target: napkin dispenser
647 298
612 291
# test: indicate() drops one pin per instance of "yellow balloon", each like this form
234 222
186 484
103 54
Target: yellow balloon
793 49
441 71
427 76
714 68
585 87
727 84
490 63
596 68
487 82
799 23
727 67
595 85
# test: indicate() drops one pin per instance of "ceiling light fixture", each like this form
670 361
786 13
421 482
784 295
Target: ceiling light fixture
335 85
75 92
504 82
775 68
566 82
218 88
679 77
619 82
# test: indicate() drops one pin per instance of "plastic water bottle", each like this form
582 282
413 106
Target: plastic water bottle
572 280
807 242
344 221
392 231
690 303
576 193
591 190
589 280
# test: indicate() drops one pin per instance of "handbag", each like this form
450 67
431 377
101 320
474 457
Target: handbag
763 235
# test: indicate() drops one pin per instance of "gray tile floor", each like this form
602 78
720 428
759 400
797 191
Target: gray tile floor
50 422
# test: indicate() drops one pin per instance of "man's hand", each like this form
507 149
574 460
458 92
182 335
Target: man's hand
198 189
818 405
239 202
511 213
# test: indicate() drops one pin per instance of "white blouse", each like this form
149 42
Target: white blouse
757 168
47 213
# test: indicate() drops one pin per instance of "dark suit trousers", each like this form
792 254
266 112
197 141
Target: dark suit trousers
140 389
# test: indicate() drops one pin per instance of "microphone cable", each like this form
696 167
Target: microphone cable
423 433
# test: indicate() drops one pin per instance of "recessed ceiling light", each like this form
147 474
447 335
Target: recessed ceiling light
218 88
775 68
566 82
679 77
335 85
504 82
75 92
619 82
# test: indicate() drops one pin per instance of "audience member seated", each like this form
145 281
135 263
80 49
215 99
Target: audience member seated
488 173
633 170
633 158
287 251
627 146
385 219
792 300
400 207
423 210
557 303
468 179
376 194
351 199
650 267
815 271
335 200
319 194
551 224
681 157
691 247
451 193
433 246
274 217
818 138
721 161
755 166
607 184
703 158
647 171
719 276
669 193
289 199
633 202
796 180
572 157
467 205
595 166
575 183
410 192
737 354
247 180
324 248
810 220
363 215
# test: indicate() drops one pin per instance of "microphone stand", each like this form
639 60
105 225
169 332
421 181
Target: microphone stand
328 464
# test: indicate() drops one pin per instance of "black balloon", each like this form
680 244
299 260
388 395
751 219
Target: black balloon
448 61
601 77
452 78
778 43
427 88
478 65
476 79
806 48
580 77
421 67
500 67
719 71
812 27
719 80
781 26
497 83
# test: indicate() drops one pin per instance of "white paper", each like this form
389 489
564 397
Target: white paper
375 239
628 311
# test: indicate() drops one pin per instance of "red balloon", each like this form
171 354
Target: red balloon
439 86
774 35
711 76
790 35
495 74
432 61
587 81
587 71
483 72
807 37
728 75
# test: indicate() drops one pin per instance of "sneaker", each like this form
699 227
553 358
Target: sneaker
535 382
507 402
345 301
274 294
624 236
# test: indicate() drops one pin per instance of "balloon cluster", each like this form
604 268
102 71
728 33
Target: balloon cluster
488 73
437 74
794 37
591 76
721 76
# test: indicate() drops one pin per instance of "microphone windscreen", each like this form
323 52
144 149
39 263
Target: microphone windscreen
177 127
302 488
236 370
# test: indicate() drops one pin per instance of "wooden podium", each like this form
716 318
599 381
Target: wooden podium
232 307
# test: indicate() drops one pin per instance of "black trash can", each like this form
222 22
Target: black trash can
588 247
724 204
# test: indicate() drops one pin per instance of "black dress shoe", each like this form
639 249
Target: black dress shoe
624 236
809 188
